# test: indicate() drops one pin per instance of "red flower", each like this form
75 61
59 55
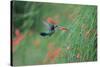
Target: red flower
56 52
50 20
36 42
50 55
63 29
53 55
17 32
18 39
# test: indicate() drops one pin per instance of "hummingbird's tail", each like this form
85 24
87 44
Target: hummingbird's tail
43 34
46 34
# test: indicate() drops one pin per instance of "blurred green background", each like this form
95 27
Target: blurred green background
78 44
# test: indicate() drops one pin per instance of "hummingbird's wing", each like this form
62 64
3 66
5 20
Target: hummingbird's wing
47 25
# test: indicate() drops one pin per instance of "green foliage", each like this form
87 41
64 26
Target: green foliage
79 44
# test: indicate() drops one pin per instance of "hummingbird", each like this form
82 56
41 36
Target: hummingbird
51 27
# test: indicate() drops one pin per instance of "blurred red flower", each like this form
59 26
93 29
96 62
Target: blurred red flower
63 29
36 42
17 32
50 20
18 38
54 54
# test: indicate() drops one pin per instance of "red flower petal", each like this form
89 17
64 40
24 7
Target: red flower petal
53 55
18 39
50 20
17 32
56 52
63 28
